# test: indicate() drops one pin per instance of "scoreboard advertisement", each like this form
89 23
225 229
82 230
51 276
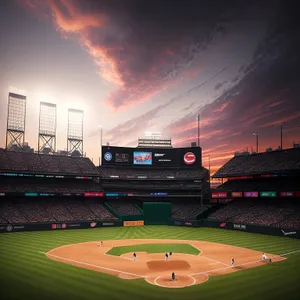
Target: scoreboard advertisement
176 157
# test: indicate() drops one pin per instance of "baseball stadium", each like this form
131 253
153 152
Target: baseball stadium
145 224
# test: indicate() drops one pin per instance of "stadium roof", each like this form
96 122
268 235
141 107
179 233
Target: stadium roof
276 162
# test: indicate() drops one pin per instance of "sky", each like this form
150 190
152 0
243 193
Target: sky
138 66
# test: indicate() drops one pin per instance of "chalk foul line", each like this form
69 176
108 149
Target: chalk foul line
94 266
247 263
142 276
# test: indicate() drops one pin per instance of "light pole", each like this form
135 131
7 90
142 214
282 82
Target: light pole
101 131
209 166
256 134
280 136
198 120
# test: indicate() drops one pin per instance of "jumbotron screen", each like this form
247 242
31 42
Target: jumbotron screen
176 157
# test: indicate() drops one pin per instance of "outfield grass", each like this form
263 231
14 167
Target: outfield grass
26 273
154 248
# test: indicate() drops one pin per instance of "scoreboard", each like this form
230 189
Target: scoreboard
175 157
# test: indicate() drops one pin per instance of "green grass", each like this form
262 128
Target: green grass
154 248
26 273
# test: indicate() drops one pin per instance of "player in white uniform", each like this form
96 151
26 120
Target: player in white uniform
264 256
101 243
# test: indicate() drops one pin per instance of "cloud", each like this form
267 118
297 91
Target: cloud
219 85
140 56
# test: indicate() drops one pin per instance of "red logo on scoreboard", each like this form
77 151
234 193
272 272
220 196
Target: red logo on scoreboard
189 158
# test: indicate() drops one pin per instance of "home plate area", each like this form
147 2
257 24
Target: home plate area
214 259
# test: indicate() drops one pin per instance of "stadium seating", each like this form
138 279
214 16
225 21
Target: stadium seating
44 163
263 184
131 173
48 185
274 213
186 211
124 208
122 185
262 163
22 210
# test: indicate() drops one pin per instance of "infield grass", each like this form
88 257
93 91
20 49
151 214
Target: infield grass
154 248
25 273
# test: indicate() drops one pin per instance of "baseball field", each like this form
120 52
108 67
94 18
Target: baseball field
70 264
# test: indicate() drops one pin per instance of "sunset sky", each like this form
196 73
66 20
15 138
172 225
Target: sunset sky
139 65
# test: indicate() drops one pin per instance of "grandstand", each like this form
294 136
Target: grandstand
261 189
164 178
37 188
45 188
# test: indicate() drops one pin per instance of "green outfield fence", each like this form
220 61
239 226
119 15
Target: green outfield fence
157 213
59 225
291 233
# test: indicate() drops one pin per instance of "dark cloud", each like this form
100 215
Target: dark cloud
219 85
144 46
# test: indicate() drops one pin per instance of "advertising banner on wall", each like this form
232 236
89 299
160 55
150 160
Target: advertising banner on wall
268 194
219 195
239 227
133 223
250 194
93 194
286 194
237 194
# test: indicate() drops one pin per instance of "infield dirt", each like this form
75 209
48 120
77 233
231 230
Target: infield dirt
214 259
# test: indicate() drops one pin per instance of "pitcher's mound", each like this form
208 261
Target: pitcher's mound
173 265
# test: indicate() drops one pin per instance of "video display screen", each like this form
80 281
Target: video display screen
122 158
174 157
142 158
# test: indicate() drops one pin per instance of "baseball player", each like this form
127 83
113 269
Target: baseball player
134 256
232 262
101 243
264 257
166 257
170 254
173 277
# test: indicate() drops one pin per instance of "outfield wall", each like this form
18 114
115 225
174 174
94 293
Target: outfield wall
293 233
59 225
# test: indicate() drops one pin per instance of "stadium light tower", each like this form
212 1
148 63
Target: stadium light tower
256 134
198 123
16 115
47 127
75 132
